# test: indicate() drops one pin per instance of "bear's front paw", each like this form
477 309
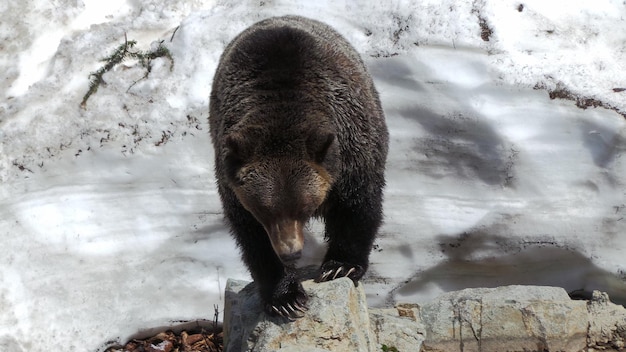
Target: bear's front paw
333 269
289 301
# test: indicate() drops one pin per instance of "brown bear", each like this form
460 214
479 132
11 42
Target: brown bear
298 132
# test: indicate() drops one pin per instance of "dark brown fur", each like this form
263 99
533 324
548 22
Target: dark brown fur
298 132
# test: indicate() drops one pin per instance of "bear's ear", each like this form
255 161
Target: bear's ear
234 154
233 146
319 145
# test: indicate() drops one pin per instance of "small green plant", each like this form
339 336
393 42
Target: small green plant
122 52
386 348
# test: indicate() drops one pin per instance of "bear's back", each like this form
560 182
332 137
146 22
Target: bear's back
292 44
285 77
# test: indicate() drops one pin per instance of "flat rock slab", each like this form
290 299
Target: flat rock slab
511 318
522 318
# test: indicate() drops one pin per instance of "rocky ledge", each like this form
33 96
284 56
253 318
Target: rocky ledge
510 318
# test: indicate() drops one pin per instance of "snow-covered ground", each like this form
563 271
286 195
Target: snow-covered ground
109 218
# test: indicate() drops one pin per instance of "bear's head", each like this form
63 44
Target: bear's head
282 190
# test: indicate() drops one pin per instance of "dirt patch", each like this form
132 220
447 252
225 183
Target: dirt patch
191 336
560 92
485 30
194 340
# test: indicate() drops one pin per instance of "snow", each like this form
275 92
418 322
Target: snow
109 215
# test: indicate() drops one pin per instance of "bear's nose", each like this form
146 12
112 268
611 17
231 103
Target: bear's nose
290 258
287 239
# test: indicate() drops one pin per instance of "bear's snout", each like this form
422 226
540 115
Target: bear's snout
290 258
287 240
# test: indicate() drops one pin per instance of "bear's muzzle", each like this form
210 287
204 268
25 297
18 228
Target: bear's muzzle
287 239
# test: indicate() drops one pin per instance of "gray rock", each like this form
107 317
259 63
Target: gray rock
607 324
394 328
510 318
337 320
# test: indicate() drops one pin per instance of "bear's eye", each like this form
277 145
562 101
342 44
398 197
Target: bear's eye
239 180
244 175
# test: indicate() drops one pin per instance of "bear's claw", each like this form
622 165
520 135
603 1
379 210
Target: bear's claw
350 272
289 311
333 269
288 301
324 275
297 307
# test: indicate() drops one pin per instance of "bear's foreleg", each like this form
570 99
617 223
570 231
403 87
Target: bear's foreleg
351 228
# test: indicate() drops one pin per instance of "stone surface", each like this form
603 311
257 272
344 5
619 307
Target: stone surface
510 318
607 324
337 320
392 328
